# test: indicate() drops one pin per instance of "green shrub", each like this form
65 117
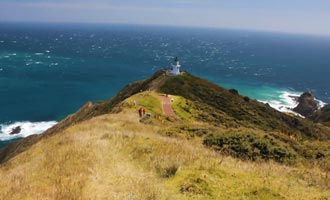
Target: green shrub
250 146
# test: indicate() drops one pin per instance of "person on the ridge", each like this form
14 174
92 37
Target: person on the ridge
143 111
140 112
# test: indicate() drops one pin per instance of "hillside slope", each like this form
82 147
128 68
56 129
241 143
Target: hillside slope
207 103
86 112
115 156
219 145
227 107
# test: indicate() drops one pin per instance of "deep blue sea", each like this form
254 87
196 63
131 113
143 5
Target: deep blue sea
49 71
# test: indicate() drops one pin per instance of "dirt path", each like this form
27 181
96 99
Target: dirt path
167 107
166 101
160 83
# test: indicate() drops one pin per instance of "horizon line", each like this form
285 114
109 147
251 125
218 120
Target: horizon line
171 25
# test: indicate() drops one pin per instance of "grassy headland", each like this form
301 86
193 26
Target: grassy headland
220 146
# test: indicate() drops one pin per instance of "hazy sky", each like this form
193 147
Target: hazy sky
304 16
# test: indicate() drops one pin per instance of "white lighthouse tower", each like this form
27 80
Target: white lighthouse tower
175 67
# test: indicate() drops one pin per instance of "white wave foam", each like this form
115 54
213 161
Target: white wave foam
321 104
27 129
287 100
39 54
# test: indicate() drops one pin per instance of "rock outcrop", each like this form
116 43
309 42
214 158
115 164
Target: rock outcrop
15 130
307 104
322 115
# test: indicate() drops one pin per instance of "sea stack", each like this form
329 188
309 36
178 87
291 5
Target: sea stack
307 104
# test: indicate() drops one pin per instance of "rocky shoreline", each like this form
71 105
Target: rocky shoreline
307 104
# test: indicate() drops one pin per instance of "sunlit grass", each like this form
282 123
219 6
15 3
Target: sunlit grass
115 156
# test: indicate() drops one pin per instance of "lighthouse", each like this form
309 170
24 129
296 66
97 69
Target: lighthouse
175 67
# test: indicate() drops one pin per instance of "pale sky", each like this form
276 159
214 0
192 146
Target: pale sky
297 16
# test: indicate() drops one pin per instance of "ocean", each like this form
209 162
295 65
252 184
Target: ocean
48 71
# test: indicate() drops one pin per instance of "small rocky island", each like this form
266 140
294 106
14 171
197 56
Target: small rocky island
307 104
15 130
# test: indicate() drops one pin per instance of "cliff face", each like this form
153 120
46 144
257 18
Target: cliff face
307 104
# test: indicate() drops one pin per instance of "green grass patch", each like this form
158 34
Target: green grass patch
184 108
195 185
147 100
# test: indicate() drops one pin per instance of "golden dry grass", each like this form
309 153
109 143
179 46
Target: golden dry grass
116 157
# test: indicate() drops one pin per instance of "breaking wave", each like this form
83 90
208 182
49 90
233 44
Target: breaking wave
25 129
286 101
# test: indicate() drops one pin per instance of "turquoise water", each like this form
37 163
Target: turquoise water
49 71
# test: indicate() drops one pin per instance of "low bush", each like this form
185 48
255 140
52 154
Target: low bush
250 146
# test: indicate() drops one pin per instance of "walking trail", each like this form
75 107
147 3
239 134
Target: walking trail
167 107
160 83
166 101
